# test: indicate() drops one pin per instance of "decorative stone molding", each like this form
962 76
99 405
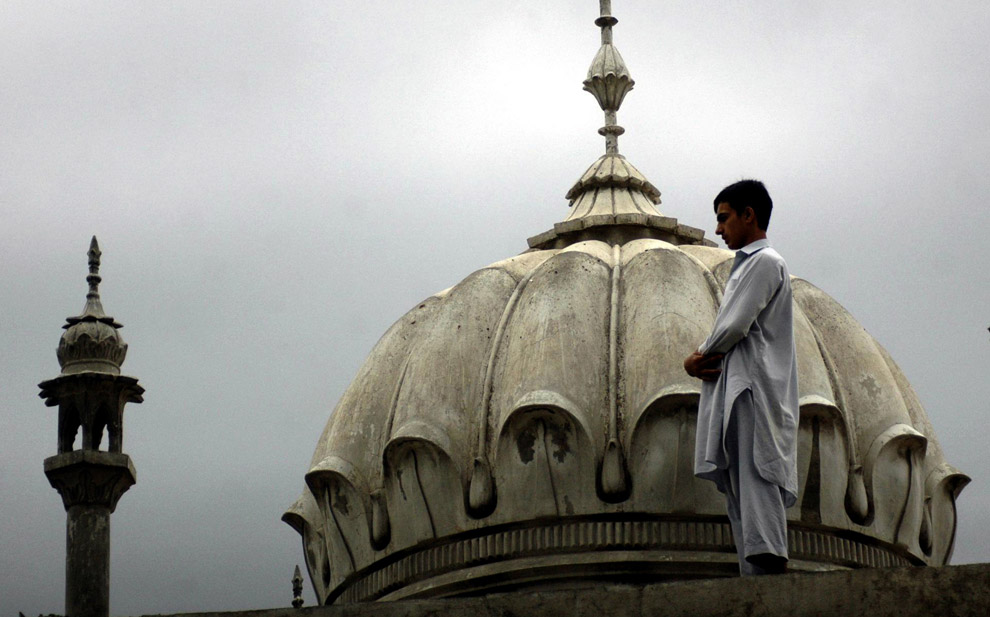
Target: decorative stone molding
661 540
613 170
90 477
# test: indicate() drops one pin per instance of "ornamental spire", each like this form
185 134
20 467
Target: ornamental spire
297 587
93 305
612 201
91 341
608 79
93 310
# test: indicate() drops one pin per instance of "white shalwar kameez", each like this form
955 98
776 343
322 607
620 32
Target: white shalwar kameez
746 439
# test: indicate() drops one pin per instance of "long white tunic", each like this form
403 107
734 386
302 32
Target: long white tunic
754 328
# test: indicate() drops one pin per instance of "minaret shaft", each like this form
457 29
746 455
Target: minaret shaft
87 561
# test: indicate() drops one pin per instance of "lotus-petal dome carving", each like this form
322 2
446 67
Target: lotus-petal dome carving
91 344
614 171
533 425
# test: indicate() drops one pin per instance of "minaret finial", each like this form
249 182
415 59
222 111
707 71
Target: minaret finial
91 341
297 587
93 305
608 79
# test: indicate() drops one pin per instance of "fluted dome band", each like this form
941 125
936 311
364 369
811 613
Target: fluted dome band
667 547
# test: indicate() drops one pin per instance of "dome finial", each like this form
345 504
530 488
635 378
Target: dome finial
608 79
612 201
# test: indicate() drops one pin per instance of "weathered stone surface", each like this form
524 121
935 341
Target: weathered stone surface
87 561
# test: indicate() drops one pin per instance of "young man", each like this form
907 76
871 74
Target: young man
746 438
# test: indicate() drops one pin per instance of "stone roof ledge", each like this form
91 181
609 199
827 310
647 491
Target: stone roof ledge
879 592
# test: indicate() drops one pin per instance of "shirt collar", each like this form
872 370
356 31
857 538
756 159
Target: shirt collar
753 247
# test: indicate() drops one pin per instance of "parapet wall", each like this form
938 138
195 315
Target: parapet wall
951 591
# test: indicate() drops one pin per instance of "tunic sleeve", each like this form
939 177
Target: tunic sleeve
754 289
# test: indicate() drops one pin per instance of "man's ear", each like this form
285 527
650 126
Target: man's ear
749 215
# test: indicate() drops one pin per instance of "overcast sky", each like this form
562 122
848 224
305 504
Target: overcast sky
274 183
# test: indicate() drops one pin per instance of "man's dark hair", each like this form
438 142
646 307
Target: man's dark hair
748 194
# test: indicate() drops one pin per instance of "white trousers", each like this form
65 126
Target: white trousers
755 506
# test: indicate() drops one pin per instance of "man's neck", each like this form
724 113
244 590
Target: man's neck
755 235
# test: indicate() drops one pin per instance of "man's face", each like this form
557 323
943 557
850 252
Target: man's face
733 228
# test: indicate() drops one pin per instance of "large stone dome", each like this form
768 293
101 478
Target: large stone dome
532 426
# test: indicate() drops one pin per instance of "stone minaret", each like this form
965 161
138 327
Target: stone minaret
90 394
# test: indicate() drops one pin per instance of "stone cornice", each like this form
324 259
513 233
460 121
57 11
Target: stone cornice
674 545
88 477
